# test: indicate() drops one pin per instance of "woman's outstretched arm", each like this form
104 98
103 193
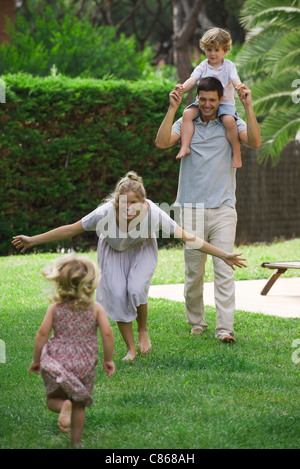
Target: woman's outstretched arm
23 243
193 242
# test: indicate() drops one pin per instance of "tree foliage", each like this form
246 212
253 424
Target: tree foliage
269 63
65 142
72 45
152 23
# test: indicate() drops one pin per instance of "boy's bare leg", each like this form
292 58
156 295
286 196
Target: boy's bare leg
187 130
143 337
126 330
233 138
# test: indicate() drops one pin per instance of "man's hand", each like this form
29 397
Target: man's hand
251 136
165 137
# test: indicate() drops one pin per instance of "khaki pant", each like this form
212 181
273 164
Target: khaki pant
219 230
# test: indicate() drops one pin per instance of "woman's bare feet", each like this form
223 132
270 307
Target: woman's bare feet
64 418
131 354
144 342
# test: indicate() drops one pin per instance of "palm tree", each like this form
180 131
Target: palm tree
269 63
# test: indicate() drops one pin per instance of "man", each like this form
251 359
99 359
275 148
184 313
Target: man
207 179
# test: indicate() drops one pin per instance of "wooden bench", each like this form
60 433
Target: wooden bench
281 268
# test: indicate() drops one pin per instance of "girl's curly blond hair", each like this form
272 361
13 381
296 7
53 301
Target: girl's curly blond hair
216 38
75 278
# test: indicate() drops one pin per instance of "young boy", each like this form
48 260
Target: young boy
216 43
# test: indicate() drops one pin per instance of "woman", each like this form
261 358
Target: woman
127 254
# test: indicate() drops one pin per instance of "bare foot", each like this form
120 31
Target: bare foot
144 342
183 152
227 338
131 354
197 330
64 419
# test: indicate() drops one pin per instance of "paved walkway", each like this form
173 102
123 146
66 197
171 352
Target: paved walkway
282 300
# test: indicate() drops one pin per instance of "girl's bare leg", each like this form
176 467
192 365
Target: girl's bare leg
143 338
187 130
77 423
126 330
233 138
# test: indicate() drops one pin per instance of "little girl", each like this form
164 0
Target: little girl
67 361
216 43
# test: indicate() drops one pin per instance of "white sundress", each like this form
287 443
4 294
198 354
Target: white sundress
127 259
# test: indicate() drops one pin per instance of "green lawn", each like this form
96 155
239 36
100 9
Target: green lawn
170 267
189 392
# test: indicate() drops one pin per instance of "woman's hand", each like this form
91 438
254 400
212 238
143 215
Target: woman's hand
233 259
22 241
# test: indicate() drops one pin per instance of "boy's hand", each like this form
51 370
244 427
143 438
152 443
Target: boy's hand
244 93
175 97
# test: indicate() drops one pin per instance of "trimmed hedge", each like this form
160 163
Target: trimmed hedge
65 143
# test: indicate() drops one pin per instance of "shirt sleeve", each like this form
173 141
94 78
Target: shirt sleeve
176 127
161 220
233 74
167 224
90 221
241 125
198 71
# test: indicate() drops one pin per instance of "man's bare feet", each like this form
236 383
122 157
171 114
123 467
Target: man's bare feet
144 342
227 338
197 330
64 418
183 152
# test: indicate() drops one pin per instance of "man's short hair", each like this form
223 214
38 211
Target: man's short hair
210 84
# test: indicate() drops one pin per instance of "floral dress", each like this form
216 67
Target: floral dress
70 356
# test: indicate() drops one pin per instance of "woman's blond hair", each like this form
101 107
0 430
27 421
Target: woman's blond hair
217 38
131 182
75 278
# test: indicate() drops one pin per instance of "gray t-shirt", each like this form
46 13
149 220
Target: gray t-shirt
206 175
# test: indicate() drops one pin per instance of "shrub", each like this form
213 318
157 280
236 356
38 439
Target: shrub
65 142
72 46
